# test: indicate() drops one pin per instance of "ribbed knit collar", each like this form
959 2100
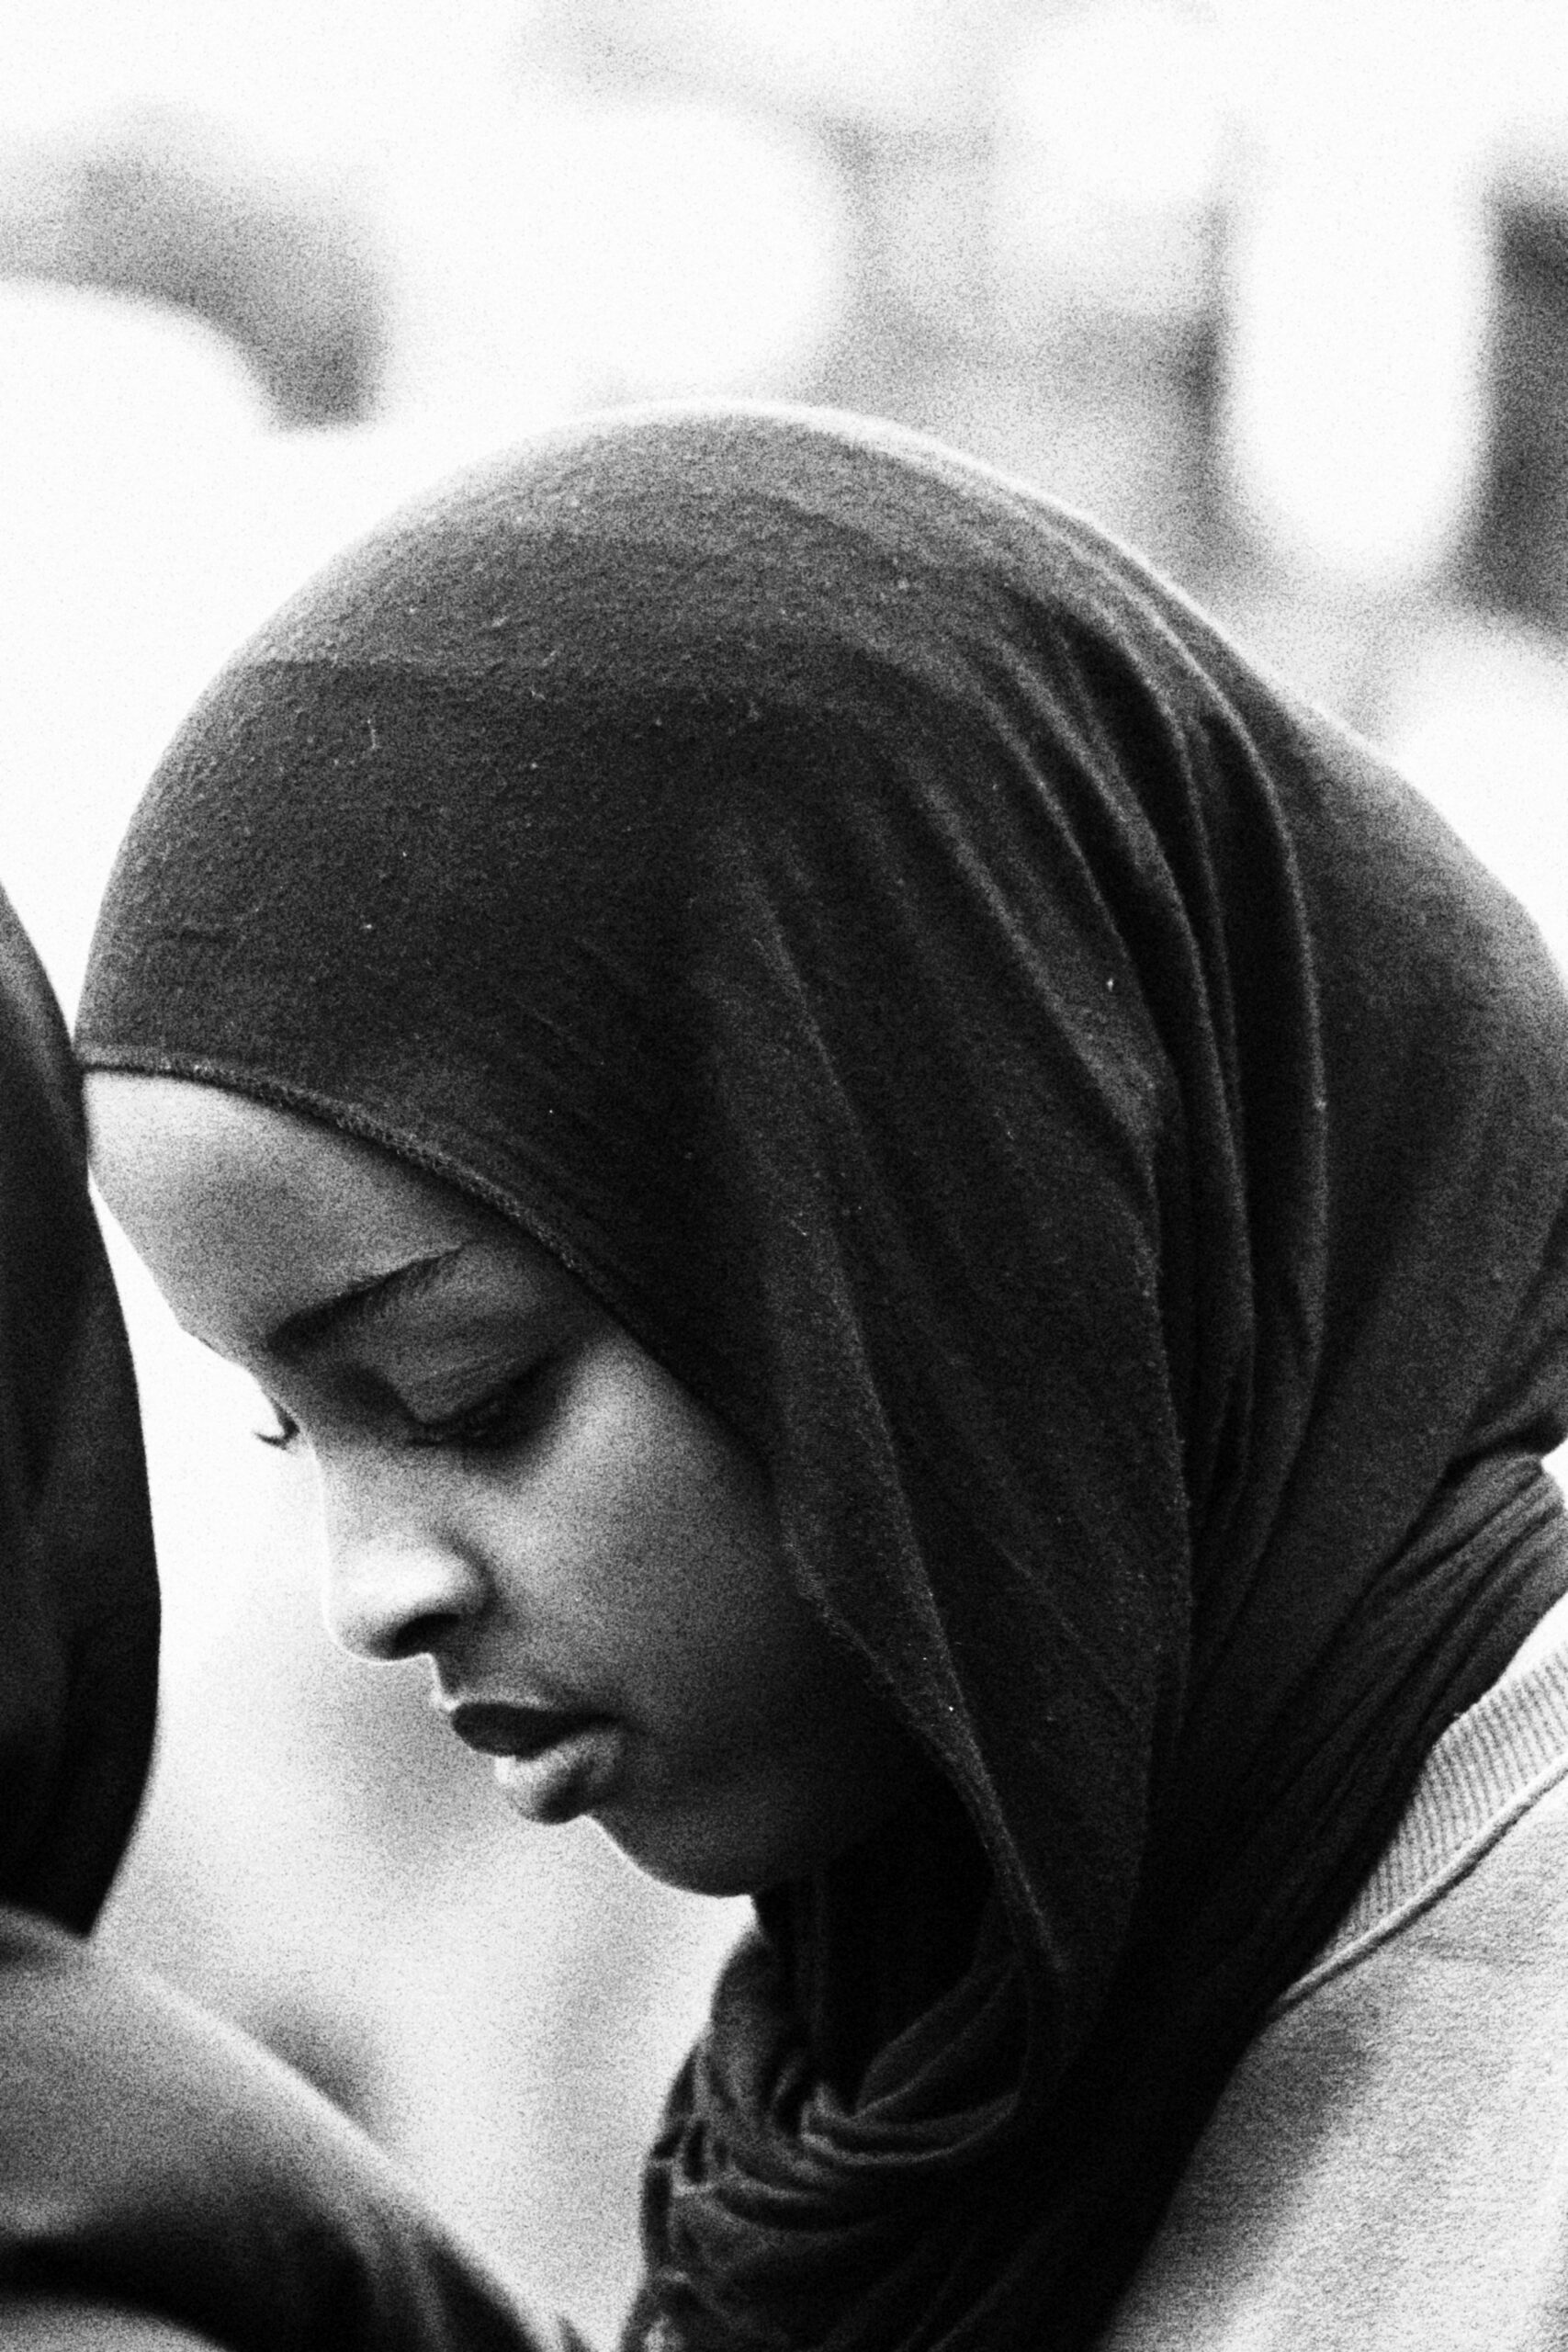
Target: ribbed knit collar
1489 1768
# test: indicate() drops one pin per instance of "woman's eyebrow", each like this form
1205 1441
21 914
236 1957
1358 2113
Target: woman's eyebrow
361 1304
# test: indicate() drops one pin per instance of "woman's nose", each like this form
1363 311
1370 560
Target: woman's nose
396 1584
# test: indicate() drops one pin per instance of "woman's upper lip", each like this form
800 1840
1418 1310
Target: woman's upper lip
500 1727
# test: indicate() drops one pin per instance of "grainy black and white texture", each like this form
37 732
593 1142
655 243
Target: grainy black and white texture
152 2161
1079 1116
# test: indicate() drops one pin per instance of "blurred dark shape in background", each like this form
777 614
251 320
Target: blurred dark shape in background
1520 559
158 202
1036 202
1035 280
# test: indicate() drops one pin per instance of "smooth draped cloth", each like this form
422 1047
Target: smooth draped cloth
1081 1119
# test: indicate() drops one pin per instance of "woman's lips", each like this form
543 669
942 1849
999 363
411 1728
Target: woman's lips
552 1763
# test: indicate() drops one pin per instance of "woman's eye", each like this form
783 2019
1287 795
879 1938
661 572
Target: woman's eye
494 1421
284 1433
491 1423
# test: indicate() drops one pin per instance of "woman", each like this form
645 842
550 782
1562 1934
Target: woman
918 1229
164 2187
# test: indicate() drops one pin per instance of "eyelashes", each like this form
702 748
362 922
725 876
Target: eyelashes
495 1421
487 1426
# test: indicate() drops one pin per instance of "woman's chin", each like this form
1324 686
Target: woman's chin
694 1859
725 1852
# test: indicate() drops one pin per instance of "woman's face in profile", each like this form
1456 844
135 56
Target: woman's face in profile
511 1485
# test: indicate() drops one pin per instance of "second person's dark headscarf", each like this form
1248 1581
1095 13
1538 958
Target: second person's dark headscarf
78 1588
1089 1128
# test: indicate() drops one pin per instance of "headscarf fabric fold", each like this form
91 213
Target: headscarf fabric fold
1084 1121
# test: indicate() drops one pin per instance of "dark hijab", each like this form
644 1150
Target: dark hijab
1091 1128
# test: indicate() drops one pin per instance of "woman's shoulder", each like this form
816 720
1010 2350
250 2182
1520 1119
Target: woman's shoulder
1384 2169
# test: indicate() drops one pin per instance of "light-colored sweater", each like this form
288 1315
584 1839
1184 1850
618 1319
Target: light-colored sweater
1388 2168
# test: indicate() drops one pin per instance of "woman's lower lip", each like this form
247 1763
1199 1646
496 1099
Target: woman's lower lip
574 1776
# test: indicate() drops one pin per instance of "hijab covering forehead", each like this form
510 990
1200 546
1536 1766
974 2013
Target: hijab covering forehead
1090 1126
78 1660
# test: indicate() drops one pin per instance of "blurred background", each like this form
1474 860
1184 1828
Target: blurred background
1276 289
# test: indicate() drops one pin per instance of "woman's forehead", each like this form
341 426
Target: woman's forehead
248 1216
